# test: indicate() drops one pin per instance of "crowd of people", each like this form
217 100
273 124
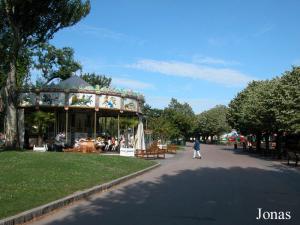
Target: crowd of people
107 143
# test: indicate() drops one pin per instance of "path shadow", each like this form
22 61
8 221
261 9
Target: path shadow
204 196
268 157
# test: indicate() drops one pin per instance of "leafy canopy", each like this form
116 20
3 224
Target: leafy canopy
96 80
55 63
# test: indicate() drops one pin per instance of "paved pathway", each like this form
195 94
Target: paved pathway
225 187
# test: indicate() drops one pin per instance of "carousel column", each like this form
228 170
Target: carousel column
95 117
55 124
95 124
67 124
118 127
66 107
21 129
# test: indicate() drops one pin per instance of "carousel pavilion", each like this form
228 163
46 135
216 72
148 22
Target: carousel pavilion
80 110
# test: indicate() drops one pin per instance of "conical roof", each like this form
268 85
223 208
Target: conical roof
74 82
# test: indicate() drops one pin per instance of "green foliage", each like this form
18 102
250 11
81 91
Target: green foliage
96 80
150 112
163 129
126 122
55 63
213 122
287 101
268 106
251 111
182 117
23 26
29 23
39 121
174 122
23 64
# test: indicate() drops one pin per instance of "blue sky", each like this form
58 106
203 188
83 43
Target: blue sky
200 52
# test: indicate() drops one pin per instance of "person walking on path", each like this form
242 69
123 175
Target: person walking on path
197 149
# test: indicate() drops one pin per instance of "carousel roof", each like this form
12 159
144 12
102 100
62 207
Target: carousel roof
74 82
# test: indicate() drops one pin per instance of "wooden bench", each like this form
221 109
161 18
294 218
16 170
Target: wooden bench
161 153
153 152
171 149
140 153
291 155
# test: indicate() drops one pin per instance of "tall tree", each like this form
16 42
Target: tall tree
24 25
212 122
182 117
253 110
150 112
163 129
55 63
286 101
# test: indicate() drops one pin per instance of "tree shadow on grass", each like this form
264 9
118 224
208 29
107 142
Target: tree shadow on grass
203 196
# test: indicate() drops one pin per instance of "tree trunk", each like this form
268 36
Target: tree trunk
11 119
267 136
266 149
40 140
258 141
278 144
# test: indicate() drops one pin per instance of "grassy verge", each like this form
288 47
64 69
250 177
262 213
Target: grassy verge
30 179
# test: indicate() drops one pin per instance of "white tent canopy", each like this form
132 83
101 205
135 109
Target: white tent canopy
140 138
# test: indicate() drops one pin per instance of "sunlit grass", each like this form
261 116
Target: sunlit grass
29 179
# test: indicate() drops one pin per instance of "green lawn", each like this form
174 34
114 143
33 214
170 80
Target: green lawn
29 179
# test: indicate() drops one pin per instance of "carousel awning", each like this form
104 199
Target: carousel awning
74 82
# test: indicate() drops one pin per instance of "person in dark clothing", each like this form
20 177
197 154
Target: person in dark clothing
197 149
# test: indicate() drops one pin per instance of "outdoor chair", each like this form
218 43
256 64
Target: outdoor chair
155 152
140 153
171 149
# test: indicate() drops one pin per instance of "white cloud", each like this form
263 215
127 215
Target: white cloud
104 33
213 61
131 84
225 76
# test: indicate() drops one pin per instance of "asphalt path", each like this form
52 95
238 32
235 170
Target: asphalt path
226 186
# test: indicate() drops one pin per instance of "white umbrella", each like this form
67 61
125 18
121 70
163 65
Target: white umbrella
140 138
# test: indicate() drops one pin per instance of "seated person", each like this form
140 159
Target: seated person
115 146
108 145
77 143
59 141
122 142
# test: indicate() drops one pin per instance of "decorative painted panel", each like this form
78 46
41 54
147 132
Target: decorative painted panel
130 104
111 102
81 100
52 98
27 99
